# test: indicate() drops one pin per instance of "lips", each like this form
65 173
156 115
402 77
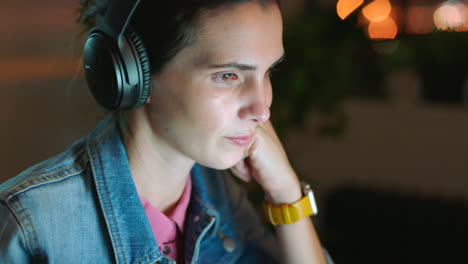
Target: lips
241 140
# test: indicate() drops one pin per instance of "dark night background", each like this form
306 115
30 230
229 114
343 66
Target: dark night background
378 126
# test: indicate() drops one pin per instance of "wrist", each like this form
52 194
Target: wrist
280 212
286 195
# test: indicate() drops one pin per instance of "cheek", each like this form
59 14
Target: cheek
165 104
269 93
212 113
198 109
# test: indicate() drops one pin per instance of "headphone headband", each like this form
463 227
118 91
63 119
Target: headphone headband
118 16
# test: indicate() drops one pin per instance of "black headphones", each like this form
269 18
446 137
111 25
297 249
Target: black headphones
116 63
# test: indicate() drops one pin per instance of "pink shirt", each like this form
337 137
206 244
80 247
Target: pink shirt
168 230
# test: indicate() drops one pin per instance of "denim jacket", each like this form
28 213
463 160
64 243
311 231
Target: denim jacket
82 206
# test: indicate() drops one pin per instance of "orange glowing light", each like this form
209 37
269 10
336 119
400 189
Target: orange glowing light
346 7
377 11
386 29
362 21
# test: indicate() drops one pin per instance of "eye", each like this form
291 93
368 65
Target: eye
225 79
228 77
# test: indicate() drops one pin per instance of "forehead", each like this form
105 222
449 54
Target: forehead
244 31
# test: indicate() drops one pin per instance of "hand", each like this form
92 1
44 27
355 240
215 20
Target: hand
266 162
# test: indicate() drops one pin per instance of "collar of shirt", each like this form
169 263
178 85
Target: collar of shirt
127 224
167 227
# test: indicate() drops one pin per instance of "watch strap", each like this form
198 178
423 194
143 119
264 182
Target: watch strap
288 213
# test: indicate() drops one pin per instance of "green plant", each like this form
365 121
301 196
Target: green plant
327 60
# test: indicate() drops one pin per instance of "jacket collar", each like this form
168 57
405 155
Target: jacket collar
127 224
131 235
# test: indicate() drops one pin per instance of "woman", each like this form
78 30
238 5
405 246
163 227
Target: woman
146 186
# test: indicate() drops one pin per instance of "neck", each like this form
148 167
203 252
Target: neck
159 171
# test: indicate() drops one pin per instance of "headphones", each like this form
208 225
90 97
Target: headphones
116 63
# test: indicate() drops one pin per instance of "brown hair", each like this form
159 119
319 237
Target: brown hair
165 27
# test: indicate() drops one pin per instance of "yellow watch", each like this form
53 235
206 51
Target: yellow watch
285 214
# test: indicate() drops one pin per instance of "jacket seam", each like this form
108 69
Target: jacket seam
32 241
145 258
30 182
198 242
106 203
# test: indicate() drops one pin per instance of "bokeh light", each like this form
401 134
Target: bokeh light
377 11
450 15
413 18
465 26
386 29
345 7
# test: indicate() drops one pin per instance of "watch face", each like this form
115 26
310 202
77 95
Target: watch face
307 190
313 204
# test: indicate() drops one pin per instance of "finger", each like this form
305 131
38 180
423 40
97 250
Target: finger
250 149
242 171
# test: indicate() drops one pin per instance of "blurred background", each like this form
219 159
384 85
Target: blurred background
371 104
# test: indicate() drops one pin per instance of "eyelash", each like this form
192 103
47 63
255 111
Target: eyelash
219 78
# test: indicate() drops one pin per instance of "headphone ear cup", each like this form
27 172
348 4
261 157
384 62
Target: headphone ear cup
103 68
118 77
143 58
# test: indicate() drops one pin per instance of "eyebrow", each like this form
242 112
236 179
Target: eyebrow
244 67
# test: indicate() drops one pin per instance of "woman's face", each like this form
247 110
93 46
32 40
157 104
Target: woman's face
208 100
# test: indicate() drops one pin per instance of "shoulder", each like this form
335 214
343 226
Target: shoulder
41 191
13 245
32 201
47 174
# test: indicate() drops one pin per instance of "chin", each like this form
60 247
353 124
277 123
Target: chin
223 162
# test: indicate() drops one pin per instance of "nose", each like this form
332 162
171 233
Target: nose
257 103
